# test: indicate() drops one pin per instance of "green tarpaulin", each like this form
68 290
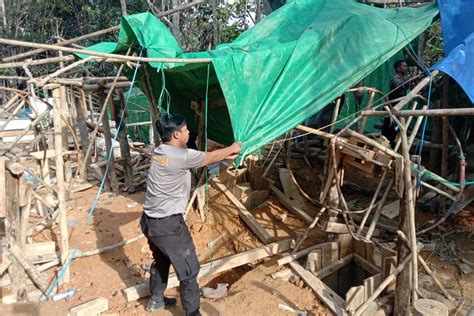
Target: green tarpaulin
281 71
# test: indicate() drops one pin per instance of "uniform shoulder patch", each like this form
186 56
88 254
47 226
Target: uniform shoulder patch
161 160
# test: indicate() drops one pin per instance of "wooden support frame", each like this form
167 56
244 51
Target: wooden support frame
142 290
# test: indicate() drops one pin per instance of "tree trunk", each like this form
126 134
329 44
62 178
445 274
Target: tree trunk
123 5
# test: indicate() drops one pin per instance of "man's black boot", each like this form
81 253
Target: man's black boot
156 304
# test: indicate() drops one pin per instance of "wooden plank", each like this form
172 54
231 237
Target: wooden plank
94 307
290 190
141 290
14 133
346 244
354 298
244 214
333 267
330 298
289 205
5 262
391 210
330 253
40 248
298 254
370 284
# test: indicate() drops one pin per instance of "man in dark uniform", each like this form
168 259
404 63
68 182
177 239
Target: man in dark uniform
399 86
162 222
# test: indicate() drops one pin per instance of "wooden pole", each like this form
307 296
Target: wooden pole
42 61
426 267
153 106
58 147
83 132
364 120
108 144
9 208
424 112
120 116
56 47
445 136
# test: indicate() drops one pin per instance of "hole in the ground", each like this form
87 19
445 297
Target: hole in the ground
341 280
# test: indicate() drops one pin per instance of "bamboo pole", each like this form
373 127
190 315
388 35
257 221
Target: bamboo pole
58 146
378 211
100 32
415 90
63 70
4 41
42 61
425 112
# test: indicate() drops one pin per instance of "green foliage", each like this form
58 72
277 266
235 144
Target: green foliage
197 29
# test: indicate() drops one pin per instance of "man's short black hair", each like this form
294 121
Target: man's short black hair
168 123
398 63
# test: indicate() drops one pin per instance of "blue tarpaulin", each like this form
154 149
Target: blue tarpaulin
457 20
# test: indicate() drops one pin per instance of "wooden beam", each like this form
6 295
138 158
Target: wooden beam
295 209
142 290
244 214
333 267
58 146
4 41
330 298
94 307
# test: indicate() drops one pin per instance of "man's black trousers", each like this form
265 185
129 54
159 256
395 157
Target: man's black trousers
171 244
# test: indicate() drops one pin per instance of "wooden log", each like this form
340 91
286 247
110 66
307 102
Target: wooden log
29 268
142 290
244 214
25 216
9 190
427 307
94 307
330 298
410 207
58 146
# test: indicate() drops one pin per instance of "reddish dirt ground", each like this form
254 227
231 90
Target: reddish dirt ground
252 290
